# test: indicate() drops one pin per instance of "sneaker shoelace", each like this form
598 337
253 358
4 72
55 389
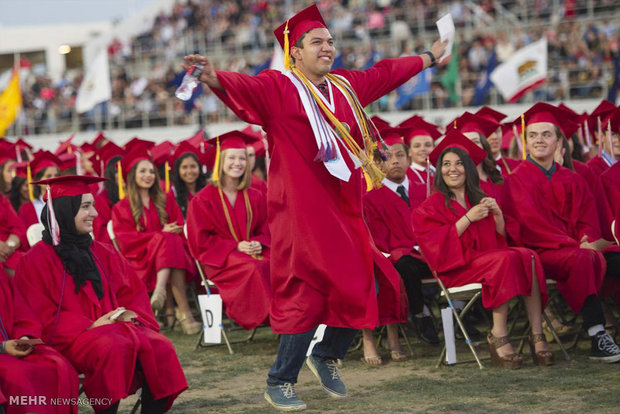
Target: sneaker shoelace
288 390
605 343
333 369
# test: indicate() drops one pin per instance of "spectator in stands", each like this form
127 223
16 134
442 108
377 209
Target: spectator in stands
462 234
148 226
228 233
94 310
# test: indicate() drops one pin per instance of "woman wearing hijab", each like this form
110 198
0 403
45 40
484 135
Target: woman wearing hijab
78 288
28 370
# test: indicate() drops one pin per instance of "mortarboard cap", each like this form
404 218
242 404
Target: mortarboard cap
418 126
454 138
307 19
469 122
197 140
43 160
131 158
380 123
544 112
230 140
490 114
104 154
393 136
161 152
21 144
140 143
65 147
67 161
613 119
100 140
87 147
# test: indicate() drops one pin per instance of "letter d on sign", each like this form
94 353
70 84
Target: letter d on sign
211 312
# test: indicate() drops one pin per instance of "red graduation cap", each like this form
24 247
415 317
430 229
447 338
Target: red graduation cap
307 19
21 144
469 122
197 140
393 136
66 146
455 139
161 152
544 112
103 155
87 147
418 126
7 151
230 140
43 160
67 161
614 120
100 140
185 148
21 169
410 120
142 143
65 186
258 145
132 158
380 123
490 114
600 112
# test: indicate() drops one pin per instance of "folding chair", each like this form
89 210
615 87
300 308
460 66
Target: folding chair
34 234
112 236
470 293
614 231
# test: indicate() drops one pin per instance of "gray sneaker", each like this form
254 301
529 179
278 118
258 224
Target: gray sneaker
327 372
283 397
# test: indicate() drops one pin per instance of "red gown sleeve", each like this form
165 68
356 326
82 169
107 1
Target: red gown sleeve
382 78
378 229
22 322
10 223
260 228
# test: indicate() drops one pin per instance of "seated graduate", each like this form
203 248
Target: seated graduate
608 155
26 369
558 219
13 241
228 233
504 164
19 191
44 165
462 235
188 176
387 211
104 162
420 137
77 287
148 226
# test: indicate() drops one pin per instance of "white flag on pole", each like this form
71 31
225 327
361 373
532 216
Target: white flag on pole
96 86
523 71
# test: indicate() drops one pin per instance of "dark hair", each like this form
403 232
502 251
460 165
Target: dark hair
36 189
179 185
472 180
111 186
4 187
577 153
568 159
15 197
259 164
489 166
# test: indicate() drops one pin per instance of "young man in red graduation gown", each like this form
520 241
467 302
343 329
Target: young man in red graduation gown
388 213
505 164
323 261
558 220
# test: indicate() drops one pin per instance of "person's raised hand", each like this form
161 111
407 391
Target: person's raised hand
208 75
438 49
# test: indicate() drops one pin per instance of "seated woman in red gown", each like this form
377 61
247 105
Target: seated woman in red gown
45 165
148 226
228 235
462 235
188 176
78 287
27 370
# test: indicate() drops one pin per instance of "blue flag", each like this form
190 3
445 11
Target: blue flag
416 86
484 83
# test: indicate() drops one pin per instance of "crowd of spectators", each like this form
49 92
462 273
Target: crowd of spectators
238 34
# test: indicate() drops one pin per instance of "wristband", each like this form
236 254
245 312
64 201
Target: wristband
2 349
430 55
470 222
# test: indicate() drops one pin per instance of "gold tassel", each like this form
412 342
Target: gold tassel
69 150
523 134
167 175
119 180
215 177
30 190
287 53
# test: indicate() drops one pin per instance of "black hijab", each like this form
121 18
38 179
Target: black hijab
74 248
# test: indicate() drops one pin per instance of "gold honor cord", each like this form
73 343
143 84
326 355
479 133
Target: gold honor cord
523 135
372 173
507 166
248 215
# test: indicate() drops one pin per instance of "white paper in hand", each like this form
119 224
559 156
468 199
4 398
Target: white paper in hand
445 25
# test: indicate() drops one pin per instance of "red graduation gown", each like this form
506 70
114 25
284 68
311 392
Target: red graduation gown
151 249
418 186
598 165
507 165
259 184
586 172
608 198
389 220
28 214
323 262
479 255
242 281
104 215
554 215
42 373
106 355
11 224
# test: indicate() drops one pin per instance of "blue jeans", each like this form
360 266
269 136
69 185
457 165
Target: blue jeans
293 347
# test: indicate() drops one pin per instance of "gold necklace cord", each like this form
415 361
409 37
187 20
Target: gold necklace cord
248 215
373 174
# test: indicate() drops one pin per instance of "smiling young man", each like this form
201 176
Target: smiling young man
323 262
558 220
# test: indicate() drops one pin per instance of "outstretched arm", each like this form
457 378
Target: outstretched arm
208 75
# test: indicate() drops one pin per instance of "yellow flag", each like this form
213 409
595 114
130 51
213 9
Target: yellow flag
10 103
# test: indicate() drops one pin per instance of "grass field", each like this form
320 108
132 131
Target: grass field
219 382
